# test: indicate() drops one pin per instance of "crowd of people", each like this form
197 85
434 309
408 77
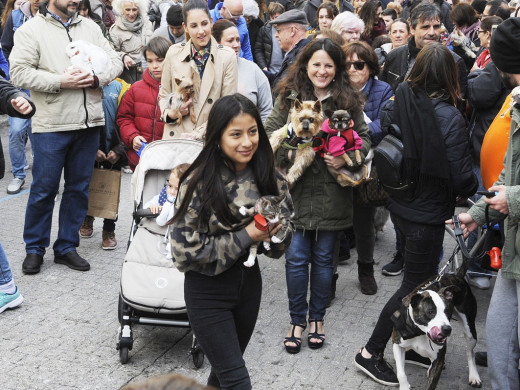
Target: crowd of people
231 74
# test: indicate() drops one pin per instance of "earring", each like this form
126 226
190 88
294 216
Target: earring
218 146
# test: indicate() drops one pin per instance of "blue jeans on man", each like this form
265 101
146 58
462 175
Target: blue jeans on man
71 152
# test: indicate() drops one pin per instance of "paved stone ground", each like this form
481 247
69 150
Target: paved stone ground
64 334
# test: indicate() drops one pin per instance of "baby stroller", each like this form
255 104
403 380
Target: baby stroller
152 289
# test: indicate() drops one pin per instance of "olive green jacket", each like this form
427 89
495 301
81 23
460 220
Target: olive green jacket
510 177
320 203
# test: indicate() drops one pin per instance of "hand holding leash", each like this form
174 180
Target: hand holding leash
466 224
499 201
262 235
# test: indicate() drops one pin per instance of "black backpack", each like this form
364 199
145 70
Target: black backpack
388 158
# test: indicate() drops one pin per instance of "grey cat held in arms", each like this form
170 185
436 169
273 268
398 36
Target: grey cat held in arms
274 209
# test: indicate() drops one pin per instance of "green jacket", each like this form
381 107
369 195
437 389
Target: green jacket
320 203
510 177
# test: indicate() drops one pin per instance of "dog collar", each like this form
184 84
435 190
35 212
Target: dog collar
294 142
404 324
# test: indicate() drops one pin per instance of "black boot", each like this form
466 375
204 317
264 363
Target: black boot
332 292
367 282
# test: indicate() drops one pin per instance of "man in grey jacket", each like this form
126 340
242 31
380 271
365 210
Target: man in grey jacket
65 127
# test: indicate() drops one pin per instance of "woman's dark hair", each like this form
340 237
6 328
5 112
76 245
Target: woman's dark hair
194 4
488 23
332 35
367 14
366 53
205 174
435 72
157 45
400 20
463 14
220 26
332 11
390 11
343 94
479 5
86 4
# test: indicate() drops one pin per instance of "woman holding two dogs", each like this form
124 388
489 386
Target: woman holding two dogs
322 207
436 157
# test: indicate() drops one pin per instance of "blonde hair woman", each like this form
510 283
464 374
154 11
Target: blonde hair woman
130 33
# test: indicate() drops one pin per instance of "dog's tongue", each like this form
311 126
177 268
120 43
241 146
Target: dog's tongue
435 334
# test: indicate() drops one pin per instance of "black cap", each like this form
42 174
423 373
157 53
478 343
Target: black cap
291 16
504 46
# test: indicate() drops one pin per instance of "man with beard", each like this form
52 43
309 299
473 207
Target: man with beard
426 27
65 128
502 331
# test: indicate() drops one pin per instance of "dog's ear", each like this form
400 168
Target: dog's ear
177 81
412 299
317 106
449 292
328 113
297 105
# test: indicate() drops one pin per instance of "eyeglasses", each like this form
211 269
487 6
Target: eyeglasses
481 31
234 16
358 65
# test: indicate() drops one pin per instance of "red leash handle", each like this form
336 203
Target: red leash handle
261 223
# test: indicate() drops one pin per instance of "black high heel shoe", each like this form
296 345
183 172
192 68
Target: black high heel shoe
293 339
316 335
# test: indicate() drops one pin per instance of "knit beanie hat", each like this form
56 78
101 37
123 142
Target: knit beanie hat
505 46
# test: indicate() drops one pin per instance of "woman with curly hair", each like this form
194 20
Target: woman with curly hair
322 207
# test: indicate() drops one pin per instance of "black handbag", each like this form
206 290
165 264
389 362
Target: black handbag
371 192
388 158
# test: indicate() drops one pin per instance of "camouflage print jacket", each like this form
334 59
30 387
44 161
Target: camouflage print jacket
212 249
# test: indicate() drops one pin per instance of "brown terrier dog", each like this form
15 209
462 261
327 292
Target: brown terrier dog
183 92
306 119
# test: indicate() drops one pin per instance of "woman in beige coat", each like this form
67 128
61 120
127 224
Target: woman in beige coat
130 33
212 68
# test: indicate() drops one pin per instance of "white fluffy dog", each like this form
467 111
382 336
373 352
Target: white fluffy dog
89 57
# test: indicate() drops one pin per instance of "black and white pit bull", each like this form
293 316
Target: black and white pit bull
423 324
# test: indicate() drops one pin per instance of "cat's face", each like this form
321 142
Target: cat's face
268 206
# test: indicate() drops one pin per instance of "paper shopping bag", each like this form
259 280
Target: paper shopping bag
104 188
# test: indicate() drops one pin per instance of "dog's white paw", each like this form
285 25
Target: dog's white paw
249 263
276 240
475 382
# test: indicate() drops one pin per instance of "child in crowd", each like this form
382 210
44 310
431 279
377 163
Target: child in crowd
164 202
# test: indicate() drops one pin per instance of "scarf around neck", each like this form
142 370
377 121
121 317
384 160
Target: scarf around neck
134 26
425 159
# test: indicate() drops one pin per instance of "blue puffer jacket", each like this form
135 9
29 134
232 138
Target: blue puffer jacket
377 92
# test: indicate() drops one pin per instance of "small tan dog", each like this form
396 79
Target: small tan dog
305 122
183 92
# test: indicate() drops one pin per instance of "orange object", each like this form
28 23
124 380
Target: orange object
495 144
261 223
495 254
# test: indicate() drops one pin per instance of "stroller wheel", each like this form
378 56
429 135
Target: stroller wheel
123 355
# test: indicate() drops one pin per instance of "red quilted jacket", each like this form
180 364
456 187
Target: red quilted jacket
139 114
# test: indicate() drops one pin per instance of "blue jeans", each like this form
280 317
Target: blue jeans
19 131
317 249
72 152
5 271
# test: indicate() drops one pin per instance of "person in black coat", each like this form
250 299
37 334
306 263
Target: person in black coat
426 24
13 102
436 160
266 45
311 9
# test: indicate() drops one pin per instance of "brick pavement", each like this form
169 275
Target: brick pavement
64 334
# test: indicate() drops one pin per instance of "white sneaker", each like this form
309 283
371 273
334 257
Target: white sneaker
15 186
480 282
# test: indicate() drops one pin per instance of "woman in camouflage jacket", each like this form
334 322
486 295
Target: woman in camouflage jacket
211 238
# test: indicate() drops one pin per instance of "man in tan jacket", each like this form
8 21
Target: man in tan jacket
65 127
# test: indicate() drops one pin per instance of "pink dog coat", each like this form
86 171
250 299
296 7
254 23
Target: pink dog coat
338 142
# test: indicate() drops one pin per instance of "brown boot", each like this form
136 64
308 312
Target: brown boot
109 240
367 282
87 227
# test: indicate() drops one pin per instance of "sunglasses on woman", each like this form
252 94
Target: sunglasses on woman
358 65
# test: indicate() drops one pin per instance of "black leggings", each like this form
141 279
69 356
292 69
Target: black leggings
222 310
422 246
